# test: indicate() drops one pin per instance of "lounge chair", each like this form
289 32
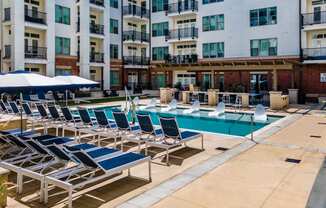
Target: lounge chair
44 116
34 117
260 114
172 136
151 104
87 125
172 106
71 122
56 119
195 108
220 110
5 108
110 163
14 107
128 132
108 128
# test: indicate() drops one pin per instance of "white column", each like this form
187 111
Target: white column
106 46
17 35
84 39
50 37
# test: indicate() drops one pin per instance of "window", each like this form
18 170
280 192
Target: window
114 26
211 1
114 51
62 15
114 78
264 16
160 29
159 5
215 22
213 50
160 53
264 47
114 3
62 46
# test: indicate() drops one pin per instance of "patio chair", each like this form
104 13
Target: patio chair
14 107
56 119
44 117
87 125
260 114
220 110
106 126
151 104
4 107
172 106
71 122
172 136
34 117
128 132
110 163
195 108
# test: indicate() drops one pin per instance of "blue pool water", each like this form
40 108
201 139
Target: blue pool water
237 124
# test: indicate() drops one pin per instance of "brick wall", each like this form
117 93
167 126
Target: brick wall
69 61
311 79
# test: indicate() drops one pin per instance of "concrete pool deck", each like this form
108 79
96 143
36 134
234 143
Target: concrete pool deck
246 175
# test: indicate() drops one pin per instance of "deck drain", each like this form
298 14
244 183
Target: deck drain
222 149
315 136
292 160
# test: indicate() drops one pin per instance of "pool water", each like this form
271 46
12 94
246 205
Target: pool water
238 124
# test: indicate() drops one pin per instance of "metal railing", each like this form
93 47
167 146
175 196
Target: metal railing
97 2
136 60
6 14
314 53
135 36
183 6
96 57
7 52
96 29
182 59
314 18
135 10
35 16
183 33
35 52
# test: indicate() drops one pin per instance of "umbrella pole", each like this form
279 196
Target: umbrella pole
21 112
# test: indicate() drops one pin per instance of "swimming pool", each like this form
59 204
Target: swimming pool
238 124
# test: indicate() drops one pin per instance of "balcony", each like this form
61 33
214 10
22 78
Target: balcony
32 52
95 57
136 60
187 6
135 36
182 34
97 2
136 11
314 18
96 29
7 52
35 16
314 54
6 15
182 59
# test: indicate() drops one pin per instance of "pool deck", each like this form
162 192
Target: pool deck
249 174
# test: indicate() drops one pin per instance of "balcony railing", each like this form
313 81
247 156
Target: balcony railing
136 60
35 16
136 11
183 6
6 14
96 29
182 59
7 52
314 53
35 52
135 36
96 57
314 18
183 33
97 2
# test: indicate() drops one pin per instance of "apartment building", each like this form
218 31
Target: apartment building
313 41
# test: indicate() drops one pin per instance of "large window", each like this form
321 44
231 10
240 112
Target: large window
160 29
114 51
114 3
160 53
62 15
114 26
62 46
264 47
215 22
213 50
159 5
114 78
264 16
211 1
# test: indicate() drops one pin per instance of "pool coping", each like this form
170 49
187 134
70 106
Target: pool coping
168 187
